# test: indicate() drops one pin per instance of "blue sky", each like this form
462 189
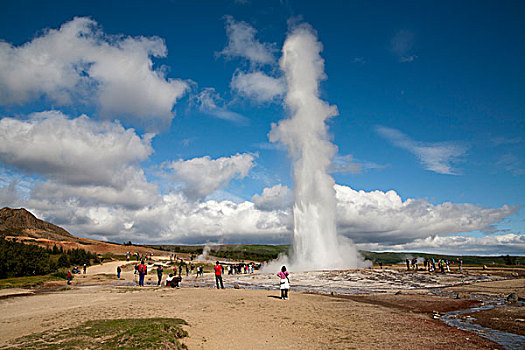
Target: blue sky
177 99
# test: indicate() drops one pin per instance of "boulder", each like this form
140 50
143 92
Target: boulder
512 298
462 295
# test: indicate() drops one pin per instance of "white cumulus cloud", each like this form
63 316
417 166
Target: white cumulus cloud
273 198
79 63
79 158
383 217
258 86
511 244
242 43
202 176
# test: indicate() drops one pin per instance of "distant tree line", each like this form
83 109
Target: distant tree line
255 252
19 259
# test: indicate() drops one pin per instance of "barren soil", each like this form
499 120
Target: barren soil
243 318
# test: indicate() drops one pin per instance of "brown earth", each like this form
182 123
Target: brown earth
414 303
243 319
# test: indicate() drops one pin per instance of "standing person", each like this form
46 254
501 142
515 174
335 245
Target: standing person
187 270
460 265
285 282
119 270
441 265
69 276
85 269
143 270
218 274
160 270
408 264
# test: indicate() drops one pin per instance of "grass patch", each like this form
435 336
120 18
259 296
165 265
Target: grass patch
27 281
132 333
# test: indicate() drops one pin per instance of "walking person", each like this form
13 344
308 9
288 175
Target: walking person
69 277
218 275
160 270
143 271
119 270
284 283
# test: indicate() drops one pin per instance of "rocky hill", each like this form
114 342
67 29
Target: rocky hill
20 222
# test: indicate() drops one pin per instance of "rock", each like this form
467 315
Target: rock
236 286
512 298
515 274
398 293
484 267
519 320
462 295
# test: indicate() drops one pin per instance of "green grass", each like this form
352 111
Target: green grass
27 281
153 333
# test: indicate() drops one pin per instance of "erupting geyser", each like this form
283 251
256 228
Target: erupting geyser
316 244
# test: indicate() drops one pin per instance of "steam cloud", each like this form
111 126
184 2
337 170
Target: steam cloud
316 244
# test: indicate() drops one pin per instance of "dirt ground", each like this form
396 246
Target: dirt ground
243 318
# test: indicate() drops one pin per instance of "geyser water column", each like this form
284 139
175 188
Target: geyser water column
316 244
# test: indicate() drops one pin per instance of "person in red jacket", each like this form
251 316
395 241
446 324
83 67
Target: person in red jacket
69 277
143 270
218 274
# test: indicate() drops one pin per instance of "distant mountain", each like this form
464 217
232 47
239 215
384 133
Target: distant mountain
20 222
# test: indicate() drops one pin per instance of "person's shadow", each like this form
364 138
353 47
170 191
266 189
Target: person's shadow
273 296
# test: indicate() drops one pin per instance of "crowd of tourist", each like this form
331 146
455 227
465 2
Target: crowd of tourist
432 265
180 267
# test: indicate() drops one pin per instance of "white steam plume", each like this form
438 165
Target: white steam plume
316 244
205 252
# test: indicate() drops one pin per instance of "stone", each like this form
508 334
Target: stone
236 286
512 298
462 295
